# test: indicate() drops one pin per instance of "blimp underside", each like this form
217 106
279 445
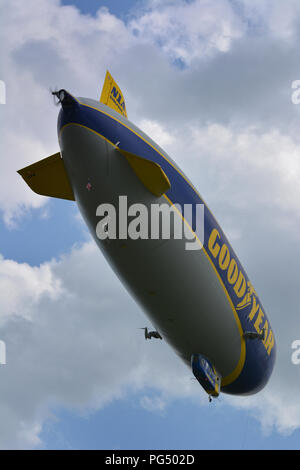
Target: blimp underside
107 161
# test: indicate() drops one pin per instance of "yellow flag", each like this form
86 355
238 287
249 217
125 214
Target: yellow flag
112 96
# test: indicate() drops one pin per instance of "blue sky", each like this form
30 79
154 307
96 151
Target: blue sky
119 8
43 235
124 425
61 387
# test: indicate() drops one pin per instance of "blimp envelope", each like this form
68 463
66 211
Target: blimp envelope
200 300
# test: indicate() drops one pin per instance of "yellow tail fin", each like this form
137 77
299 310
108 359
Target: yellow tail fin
48 177
112 96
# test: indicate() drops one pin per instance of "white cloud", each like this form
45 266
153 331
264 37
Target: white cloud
157 132
48 46
273 16
189 31
32 284
265 165
68 327
153 403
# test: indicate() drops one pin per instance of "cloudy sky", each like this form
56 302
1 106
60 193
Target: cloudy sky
211 82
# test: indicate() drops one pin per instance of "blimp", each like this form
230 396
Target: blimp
161 239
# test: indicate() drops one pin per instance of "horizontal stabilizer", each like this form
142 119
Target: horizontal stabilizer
149 173
48 177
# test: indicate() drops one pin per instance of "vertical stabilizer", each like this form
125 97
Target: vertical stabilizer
112 96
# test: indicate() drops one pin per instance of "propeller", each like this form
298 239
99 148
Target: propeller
58 96
64 98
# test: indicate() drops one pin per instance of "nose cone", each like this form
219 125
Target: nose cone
70 109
